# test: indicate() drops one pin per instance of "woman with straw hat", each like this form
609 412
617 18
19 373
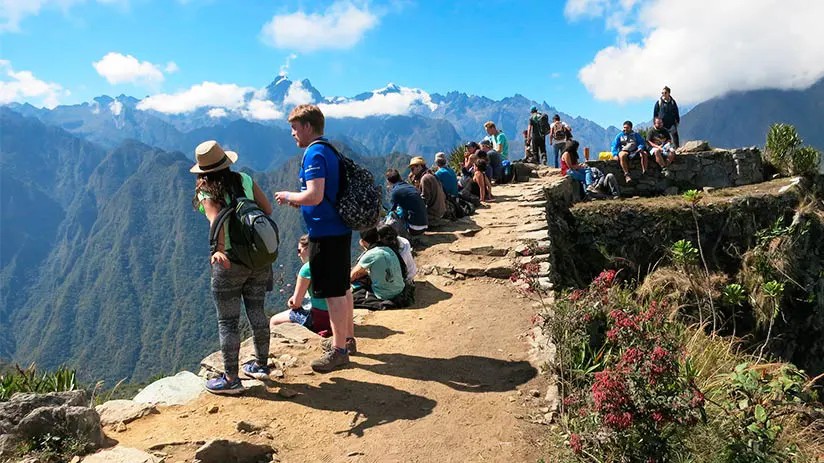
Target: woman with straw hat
232 281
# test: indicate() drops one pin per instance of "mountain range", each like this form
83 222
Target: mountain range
103 263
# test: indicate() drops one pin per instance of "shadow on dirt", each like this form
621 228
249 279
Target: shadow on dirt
369 404
467 373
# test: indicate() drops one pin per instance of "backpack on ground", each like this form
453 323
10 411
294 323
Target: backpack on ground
508 172
253 234
543 125
359 198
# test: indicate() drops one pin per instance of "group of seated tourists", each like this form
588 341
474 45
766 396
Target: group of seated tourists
629 144
382 278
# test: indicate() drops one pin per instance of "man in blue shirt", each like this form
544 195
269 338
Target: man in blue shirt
629 145
329 238
447 176
406 204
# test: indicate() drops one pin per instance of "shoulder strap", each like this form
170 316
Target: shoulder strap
217 226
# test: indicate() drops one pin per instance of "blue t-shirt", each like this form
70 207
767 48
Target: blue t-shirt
449 180
409 199
320 161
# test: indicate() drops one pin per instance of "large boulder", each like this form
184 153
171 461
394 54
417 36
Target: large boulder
227 451
30 417
121 455
695 146
123 411
179 389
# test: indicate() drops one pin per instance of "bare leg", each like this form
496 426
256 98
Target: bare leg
338 314
644 161
623 159
658 158
279 318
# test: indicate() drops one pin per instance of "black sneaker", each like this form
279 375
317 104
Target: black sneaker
329 361
351 345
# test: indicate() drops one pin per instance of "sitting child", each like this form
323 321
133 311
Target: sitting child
388 234
379 276
314 317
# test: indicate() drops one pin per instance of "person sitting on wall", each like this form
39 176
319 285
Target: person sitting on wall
430 189
494 159
379 277
575 170
629 145
602 186
315 314
407 211
660 144
447 176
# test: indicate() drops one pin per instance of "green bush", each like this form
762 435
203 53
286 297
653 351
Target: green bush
456 157
30 380
785 152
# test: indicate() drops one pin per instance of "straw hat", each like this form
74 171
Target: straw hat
417 161
210 157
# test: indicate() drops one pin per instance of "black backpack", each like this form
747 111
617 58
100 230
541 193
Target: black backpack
543 125
359 198
253 234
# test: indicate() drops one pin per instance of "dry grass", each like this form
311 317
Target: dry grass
681 289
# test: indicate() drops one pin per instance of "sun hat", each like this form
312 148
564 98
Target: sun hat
417 161
211 157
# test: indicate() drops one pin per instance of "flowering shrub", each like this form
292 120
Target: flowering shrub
629 390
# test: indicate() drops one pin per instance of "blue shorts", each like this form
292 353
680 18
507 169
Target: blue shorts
301 317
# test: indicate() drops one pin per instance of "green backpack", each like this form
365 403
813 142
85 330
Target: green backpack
253 234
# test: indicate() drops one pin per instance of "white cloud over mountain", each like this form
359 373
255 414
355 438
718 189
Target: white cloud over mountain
342 25
388 101
204 95
297 95
20 86
702 48
118 68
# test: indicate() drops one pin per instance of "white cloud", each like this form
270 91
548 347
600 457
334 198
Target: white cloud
263 110
171 67
23 86
12 12
207 94
576 9
117 68
390 104
297 95
116 107
704 48
216 113
341 26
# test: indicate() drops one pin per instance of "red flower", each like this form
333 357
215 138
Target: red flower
657 416
575 443
618 421
576 295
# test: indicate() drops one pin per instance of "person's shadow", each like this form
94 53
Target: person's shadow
374 331
467 373
371 404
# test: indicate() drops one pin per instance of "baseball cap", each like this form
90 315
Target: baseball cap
440 155
472 144
533 109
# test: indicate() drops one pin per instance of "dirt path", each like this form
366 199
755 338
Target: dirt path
445 381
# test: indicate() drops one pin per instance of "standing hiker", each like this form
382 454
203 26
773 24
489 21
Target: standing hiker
667 109
215 188
329 238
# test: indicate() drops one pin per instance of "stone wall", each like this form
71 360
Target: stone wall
691 170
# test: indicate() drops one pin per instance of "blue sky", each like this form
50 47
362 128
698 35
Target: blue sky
605 60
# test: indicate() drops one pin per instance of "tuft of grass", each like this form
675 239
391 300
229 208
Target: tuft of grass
30 380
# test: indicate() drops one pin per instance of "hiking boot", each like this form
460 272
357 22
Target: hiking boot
329 361
223 386
351 345
253 370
